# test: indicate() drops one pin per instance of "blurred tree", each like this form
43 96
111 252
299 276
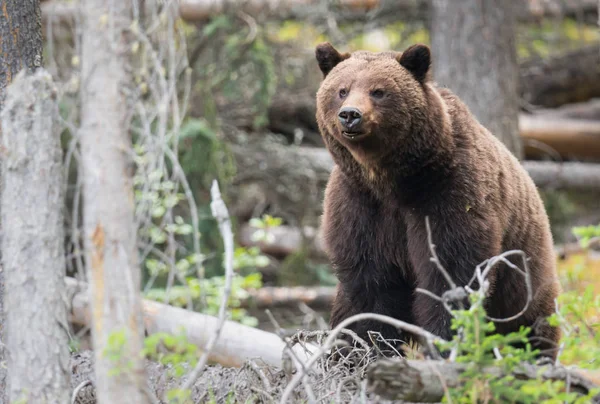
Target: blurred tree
21 47
473 43
108 202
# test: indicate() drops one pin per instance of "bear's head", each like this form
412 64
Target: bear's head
369 104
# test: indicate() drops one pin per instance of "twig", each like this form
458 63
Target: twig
330 341
434 258
220 212
296 361
79 387
260 374
502 259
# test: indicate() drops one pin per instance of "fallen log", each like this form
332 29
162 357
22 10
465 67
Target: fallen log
588 110
320 297
237 344
427 381
570 77
567 137
564 175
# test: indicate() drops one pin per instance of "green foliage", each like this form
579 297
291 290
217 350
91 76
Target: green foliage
299 269
263 225
203 155
239 66
560 208
178 396
210 291
585 234
115 352
174 350
550 36
475 346
579 319
480 350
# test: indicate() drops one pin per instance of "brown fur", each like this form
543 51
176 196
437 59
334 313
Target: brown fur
424 155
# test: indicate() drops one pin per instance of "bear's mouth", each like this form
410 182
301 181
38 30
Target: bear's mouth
354 136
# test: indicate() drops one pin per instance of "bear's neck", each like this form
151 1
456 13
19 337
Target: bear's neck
408 178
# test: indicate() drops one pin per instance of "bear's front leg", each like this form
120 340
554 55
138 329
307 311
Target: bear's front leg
395 302
459 249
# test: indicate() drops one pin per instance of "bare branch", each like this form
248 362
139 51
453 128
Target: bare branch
219 211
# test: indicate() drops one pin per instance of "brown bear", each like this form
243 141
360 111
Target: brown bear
406 149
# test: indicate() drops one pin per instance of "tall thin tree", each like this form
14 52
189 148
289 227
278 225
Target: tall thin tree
473 42
108 204
20 47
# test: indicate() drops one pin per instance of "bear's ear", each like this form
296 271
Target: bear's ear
417 60
328 57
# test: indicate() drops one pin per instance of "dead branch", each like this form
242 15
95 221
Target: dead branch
220 212
426 381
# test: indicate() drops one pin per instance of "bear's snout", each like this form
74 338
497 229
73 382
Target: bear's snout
350 118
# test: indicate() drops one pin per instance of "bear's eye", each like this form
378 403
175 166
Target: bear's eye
343 93
377 94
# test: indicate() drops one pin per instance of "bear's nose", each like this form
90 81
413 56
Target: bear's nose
350 117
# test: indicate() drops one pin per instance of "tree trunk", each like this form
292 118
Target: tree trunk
20 47
33 251
473 46
110 231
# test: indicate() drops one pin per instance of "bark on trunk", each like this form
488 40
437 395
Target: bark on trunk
32 249
20 47
473 44
110 232
21 39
